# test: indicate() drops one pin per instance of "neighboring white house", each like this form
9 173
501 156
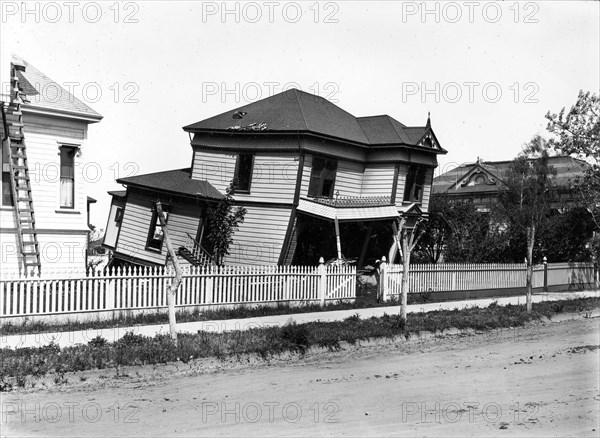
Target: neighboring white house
44 207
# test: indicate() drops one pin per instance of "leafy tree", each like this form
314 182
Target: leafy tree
223 223
578 133
578 130
435 231
526 201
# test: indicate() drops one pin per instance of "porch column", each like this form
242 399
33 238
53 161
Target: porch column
337 237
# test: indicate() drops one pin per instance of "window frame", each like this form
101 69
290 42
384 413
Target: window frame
73 149
237 172
155 221
322 179
5 164
416 177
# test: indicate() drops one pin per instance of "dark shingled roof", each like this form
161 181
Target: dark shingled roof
293 110
118 193
566 169
383 130
297 111
44 93
177 181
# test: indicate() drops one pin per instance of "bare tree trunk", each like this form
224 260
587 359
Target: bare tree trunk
175 284
530 242
405 269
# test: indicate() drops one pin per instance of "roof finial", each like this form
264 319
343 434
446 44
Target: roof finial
428 119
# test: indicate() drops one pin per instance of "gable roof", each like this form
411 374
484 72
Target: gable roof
45 94
176 181
297 111
566 168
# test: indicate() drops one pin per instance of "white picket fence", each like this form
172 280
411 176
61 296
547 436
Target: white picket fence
146 288
450 277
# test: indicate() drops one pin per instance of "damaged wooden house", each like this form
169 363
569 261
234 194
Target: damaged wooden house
316 182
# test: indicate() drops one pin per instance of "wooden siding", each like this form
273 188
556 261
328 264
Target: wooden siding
349 178
427 190
137 216
334 149
59 251
216 168
402 171
260 238
112 227
308 160
378 180
273 178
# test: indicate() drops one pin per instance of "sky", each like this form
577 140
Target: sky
488 72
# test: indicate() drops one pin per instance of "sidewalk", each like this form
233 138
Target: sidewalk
65 339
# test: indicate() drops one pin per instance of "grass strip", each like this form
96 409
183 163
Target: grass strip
132 349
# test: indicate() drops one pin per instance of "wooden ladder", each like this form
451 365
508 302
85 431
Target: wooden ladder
12 118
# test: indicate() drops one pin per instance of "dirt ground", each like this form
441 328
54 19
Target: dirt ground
537 381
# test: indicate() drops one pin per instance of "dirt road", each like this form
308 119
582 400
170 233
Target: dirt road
539 381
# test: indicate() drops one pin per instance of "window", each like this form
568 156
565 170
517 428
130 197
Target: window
156 234
415 181
119 215
67 176
7 196
322 178
243 172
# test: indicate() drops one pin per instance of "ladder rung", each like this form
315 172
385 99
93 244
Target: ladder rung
27 221
28 232
30 243
29 254
26 210
23 177
33 264
24 200
19 167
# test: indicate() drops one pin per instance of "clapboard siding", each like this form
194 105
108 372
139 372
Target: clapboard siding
378 180
60 251
427 190
216 168
402 171
308 160
182 218
349 178
259 239
43 156
273 178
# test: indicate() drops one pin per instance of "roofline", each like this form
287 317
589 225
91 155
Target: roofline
316 134
61 113
172 192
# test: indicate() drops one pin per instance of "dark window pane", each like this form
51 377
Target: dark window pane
7 196
244 171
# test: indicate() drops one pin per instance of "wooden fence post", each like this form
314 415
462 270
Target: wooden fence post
322 281
110 294
545 274
383 283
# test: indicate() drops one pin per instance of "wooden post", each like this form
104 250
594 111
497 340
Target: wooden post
383 283
323 280
545 274
337 237
363 253
175 283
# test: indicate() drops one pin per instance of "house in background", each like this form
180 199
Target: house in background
482 181
44 207
307 172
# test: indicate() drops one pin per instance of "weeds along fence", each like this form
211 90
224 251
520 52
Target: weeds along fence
101 294
458 278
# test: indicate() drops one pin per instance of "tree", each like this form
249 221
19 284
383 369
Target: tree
408 238
436 230
223 223
578 133
526 201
